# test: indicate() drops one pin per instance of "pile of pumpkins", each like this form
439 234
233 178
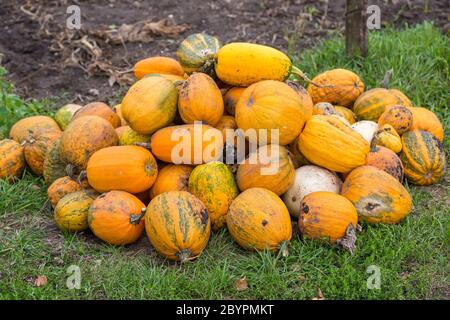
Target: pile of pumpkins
111 170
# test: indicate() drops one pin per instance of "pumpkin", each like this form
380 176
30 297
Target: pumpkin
337 86
176 80
228 124
324 108
371 104
423 157
83 137
326 215
386 136
213 183
385 159
118 109
330 143
64 114
426 120
259 220
268 167
35 150
101 110
298 159
172 177
200 100
71 212
274 106
128 136
197 52
346 113
187 144
377 196
127 168
177 225
53 167
157 65
37 125
150 104
61 187
116 217
309 179
231 98
12 160
366 129
399 117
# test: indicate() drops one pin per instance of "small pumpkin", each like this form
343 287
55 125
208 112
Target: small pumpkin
346 113
324 108
385 159
35 150
128 136
309 179
366 129
157 65
274 106
172 177
330 143
423 157
61 187
259 220
53 167
231 98
37 125
99 109
227 123
426 120
214 184
399 117
116 217
268 167
83 137
177 225
64 114
127 168
197 52
377 196
386 136
200 100
118 109
12 160
337 86
71 212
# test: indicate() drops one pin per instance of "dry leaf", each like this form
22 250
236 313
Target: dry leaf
319 295
40 281
241 284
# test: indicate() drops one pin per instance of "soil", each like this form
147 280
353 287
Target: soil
30 31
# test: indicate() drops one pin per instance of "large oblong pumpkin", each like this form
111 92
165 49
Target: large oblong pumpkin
385 159
423 157
12 160
177 225
172 177
71 212
99 109
36 125
35 150
377 196
328 142
127 168
426 120
157 64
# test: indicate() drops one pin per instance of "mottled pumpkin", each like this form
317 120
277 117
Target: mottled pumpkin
423 157
150 104
116 217
118 109
127 168
337 86
35 150
386 136
269 167
330 143
177 225
231 98
128 136
197 52
324 108
346 113
385 159
200 100
172 177
64 114
214 184
12 160
426 120
99 109
71 212
157 65
377 196
61 187
36 125
274 106
259 220
399 117
53 167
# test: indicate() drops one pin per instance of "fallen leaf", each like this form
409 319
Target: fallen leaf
319 295
35 187
241 284
40 281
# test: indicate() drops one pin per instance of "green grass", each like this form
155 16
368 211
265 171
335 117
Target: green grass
412 257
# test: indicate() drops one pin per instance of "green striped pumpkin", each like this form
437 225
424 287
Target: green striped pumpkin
423 157
197 52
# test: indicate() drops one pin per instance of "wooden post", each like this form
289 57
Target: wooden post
356 28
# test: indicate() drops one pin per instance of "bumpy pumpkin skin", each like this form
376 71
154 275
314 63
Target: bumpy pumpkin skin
20 131
423 157
200 100
326 215
386 136
64 115
129 137
330 143
259 220
127 168
273 105
269 167
12 160
385 159
177 225
118 109
214 184
346 113
341 87
377 196
83 137
116 217
172 177
231 98
426 120
53 167
71 212
197 50
35 150
157 65
150 104
168 144
61 187
99 109
399 117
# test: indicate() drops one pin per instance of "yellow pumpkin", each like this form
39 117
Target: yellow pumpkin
118 109
157 65
61 187
386 136
71 212
12 160
346 113
172 177
426 120
128 136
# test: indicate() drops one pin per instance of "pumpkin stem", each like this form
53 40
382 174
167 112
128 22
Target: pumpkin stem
347 242
70 171
136 218
145 145
299 74
284 248
184 255
81 177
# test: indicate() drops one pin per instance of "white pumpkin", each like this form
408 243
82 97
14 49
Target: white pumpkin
309 179
366 129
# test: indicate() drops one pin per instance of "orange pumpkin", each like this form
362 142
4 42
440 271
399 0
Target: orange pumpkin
177 225
399 117
61 187
37 125
116 217
99 109
12 160
230 99
71 212
172 177
385 159
227 123
35 150
386 136
426 120
157 65
127 168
